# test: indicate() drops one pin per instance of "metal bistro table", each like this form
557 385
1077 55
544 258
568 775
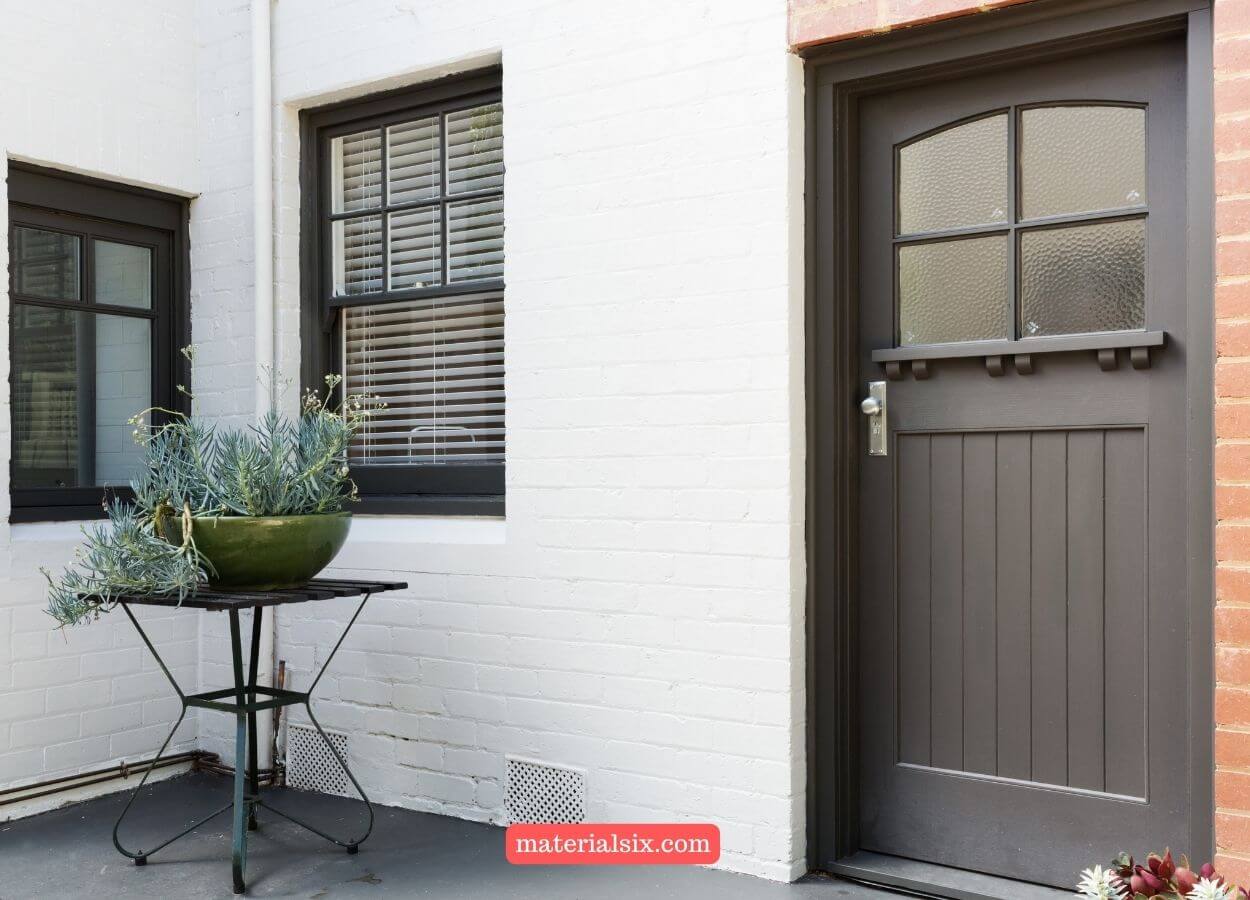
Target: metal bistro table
249 698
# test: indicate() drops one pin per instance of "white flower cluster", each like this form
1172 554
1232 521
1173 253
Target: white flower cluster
1206 889
1099 884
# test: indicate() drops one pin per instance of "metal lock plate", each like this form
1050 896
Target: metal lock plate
874 407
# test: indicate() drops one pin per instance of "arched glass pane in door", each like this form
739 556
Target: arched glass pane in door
988 247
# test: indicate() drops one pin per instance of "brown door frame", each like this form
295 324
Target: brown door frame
835 78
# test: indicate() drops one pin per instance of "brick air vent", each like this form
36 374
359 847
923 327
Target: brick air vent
540 793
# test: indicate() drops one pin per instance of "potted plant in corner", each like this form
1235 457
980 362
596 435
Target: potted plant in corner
256 508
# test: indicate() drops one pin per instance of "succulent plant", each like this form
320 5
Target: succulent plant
1161 878
277 467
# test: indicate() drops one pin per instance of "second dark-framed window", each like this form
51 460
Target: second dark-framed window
403 260
97 290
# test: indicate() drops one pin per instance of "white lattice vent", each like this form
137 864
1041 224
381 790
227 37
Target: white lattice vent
540 793
310 765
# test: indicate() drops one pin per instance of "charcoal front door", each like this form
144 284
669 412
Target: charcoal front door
1022 608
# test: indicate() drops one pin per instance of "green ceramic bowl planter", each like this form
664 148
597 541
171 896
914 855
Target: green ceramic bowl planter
257 508
264 553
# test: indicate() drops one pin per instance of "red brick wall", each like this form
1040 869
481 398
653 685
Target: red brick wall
821 21
1232 444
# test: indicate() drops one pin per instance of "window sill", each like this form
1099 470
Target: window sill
49 515
45 532
460 530
430 505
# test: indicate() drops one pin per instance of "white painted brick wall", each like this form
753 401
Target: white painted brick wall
107 90
639 613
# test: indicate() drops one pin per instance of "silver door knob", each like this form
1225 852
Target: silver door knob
871 406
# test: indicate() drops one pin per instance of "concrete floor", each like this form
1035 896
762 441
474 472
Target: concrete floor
68 853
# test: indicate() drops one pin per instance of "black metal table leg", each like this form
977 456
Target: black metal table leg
238 847
352 845
253 770
140 857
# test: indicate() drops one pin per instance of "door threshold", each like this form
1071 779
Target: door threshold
932 880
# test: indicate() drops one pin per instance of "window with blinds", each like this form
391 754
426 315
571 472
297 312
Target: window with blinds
411 292
438 366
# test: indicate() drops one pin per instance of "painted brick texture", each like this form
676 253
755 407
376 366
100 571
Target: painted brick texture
108 91
1232 450
639 612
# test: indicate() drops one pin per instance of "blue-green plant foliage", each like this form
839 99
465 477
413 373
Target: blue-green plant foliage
191 468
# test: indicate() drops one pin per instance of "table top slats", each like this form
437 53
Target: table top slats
317 589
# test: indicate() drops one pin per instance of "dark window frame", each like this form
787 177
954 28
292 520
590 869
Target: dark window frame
423 490
92 208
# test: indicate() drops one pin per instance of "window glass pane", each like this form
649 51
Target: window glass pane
438 366
955 178
77 378
475 149
475 239
1081 158
356 171
414 155
953 290
358 255
416 248
45 263
1084 278
123 274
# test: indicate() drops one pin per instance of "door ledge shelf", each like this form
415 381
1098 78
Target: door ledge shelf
1105 346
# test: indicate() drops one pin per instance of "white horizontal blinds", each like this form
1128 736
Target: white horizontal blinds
475 149
475 164
475 238
438 364
358 255
434 198
356 171
416 248
414 161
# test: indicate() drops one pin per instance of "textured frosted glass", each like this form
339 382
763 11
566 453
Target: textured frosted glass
955 178
356 171
953 291
358 255
416 248
413 158
1077 159
1084 278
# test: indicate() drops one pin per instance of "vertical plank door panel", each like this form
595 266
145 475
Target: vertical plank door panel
946 649
1085 610
1014 519
914 674
979 597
